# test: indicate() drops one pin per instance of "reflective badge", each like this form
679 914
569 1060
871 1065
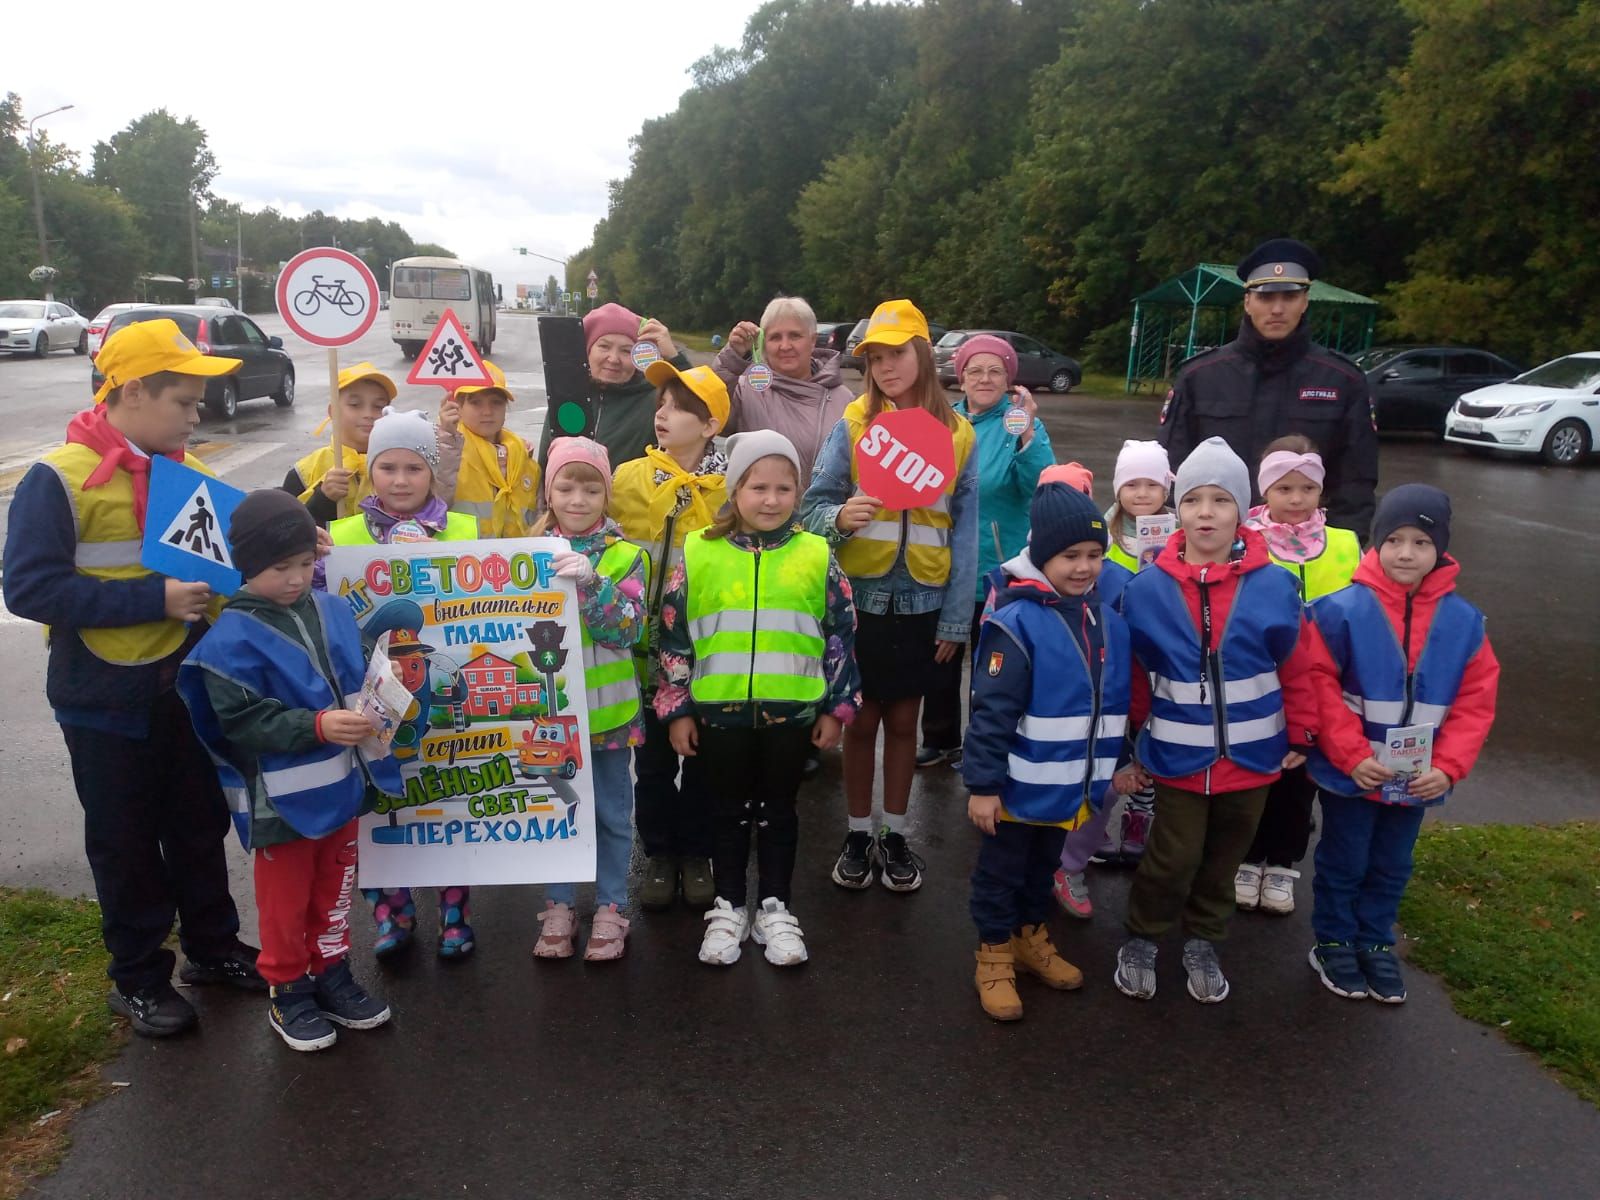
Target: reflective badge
1166 404
645 353
1016 422
408 531
996 661
760 377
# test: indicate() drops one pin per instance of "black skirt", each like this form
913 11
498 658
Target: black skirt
895 654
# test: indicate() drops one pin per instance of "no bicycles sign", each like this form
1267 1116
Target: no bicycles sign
327 296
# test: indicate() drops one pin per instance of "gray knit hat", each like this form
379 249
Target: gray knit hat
744 449
1213 462
397 430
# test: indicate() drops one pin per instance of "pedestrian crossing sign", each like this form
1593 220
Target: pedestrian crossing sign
186 526
449 359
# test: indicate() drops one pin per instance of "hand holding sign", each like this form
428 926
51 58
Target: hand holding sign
906 458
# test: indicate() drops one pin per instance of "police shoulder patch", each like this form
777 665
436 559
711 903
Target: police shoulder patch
1166 404
997 660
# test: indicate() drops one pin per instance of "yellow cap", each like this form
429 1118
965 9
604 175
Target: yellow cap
149 347
499 384
365 370
894 323
702 381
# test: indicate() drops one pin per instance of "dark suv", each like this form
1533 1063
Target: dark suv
266 369
1413 387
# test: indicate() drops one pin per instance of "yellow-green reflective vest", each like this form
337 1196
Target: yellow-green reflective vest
755 618
353 531
608 671
1328 571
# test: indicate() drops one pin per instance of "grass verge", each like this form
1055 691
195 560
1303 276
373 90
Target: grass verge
55 1030
1509 917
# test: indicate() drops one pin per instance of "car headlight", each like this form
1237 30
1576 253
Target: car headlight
1523 410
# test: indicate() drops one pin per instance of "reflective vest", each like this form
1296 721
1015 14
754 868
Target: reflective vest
1065 752
505 504
1328 571
631 489
609 674
1193 722
354 531
1115 553
316 791
1372 669
109 541
315 465
924 533
755 618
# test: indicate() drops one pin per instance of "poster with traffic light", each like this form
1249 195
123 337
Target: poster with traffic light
494 746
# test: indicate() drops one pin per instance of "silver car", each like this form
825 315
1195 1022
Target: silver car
39 326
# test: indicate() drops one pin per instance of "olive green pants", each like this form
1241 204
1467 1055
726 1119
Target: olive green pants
1195 847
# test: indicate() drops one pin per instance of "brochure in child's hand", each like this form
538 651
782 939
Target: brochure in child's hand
1153 532
383 700
1407 750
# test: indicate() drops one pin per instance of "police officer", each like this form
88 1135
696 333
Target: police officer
1272 380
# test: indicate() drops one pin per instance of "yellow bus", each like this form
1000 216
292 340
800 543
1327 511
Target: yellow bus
420 289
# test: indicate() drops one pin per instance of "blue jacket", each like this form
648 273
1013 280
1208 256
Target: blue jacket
1050 693
1007 478
1114 577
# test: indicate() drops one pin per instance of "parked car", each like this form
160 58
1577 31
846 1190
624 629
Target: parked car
831 335
266 369
1552 411
97 327
214 302
1413 387
850 358
1038 366
37 327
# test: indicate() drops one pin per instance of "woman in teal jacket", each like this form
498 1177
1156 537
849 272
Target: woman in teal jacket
1008 471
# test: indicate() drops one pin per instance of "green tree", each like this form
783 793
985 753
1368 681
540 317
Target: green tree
163 168
101 249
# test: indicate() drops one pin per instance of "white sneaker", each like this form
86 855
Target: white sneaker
1277 890
1247 885
776 929
727 927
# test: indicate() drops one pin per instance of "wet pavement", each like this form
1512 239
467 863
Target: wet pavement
871 1071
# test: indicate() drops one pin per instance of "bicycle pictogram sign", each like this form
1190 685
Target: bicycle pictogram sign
327 296
307 303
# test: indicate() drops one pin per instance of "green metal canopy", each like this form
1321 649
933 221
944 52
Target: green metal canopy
1195 311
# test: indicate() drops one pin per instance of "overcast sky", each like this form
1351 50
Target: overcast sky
440 117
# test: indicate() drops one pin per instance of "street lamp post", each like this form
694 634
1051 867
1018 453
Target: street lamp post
564 262
38 198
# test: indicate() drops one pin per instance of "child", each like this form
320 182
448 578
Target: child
266 689
1322 560
498 482
1401 649
154 818
757 665
1049 709
658 500
1219 631
402 454
914 575
329 491
611 575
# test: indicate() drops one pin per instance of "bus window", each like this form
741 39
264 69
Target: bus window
432 283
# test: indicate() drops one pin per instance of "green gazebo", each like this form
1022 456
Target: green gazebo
1196 310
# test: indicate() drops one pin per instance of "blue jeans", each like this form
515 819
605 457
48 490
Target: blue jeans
1011 883
1363 866
613 830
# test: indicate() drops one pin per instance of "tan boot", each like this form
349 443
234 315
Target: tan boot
1034 954
997 982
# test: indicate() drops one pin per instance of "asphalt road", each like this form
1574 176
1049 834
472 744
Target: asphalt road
870 1072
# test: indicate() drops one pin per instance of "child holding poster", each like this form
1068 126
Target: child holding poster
758 665
1398 650
498 482
266 688
610 574
914 575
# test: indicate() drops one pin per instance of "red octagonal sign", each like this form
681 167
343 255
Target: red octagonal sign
906 458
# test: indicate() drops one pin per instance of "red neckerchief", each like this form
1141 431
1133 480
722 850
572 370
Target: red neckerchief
91 428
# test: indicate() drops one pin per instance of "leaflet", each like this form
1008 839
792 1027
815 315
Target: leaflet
1407 750
1152 533
383 700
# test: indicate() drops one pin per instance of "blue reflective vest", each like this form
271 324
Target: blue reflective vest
316 792
1372 671
1070 735
1194 723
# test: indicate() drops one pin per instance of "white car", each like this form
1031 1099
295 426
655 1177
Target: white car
1552 411
38 326
97 327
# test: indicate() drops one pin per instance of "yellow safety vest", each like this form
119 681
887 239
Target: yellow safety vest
632 486
1328 571
1115 553
505 505
870 552
109 541
608 671
353 531
315 465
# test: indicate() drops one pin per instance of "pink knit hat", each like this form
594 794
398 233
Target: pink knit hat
987 343
1074 474
609 318
567 450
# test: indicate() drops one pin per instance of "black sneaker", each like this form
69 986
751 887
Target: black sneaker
902 870
932 756
294 1015
345 1002
854 866
237 969
153 1012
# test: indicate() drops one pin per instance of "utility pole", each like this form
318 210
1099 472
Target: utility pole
238 263
38 198
194 242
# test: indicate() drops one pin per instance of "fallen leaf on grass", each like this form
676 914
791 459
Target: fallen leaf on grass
1578 914
1541 923
76 1021
15 1044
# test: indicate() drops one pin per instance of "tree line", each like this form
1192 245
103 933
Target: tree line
1035 164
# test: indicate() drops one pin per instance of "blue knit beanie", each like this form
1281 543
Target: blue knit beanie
1416 504
1062 516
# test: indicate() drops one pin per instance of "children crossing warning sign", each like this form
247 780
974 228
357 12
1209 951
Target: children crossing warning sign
449 359
186 525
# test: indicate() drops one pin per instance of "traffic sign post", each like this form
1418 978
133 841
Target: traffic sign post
329 297
906 458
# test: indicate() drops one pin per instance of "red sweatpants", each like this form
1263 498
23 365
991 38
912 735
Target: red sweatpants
303 891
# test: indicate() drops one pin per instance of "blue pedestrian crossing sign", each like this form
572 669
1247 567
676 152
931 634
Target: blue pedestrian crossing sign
186 525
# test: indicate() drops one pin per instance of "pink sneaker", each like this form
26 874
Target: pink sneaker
608 935
556 931
1073 893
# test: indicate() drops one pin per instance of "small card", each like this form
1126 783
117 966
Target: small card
1407 750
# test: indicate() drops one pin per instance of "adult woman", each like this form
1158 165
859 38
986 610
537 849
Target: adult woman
807 395
1008 471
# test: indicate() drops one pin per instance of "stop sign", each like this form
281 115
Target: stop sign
906 458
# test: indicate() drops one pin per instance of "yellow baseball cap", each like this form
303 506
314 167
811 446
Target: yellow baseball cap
894 323
365 370
150 347
702 381
499 384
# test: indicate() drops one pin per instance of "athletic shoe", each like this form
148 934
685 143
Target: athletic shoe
658 882
1207 983
154 1012
726 928
293 1013
1277 890
345 1002
902 870
857 858
1072 891
698 889
929 756
608 935
236 969
775 928
1381 967
1337 966
557 928
1135 832
1136 968
1247 885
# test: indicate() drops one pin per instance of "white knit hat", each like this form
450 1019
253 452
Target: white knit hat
1141 460
746 449
1213 461
397 430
